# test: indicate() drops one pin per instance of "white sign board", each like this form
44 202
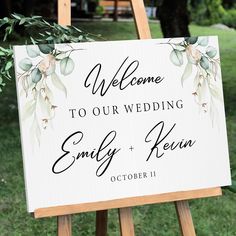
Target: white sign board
111 120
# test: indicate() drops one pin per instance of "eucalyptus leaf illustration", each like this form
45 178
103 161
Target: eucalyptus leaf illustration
203 41
204 63
176 57
211 51
58 84
187 72
25 64
32 51
36 75
46 48
67 66
191 40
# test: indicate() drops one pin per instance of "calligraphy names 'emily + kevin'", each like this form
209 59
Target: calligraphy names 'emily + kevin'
104 154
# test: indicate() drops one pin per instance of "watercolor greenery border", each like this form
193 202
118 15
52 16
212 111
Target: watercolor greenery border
35 73
203 65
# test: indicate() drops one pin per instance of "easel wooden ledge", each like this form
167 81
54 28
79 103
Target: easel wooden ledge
63 213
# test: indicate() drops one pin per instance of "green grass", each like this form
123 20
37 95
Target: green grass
212 216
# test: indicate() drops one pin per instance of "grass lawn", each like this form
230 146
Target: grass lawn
211 216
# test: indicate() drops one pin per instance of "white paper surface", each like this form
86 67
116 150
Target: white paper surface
82 143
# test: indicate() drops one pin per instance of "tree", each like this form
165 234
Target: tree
174 18
207 12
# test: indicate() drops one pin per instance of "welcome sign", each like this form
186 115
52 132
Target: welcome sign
111 120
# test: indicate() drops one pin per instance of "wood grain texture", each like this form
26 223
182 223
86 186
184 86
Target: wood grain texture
64 12
185 218
141 20
101 223
126 222
64 225
126 202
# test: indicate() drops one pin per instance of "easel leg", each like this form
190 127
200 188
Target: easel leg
126 222
101 223
185 218
64 225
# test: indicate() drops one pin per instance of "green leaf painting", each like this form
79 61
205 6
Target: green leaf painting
204 63
211 51
32 51
36 75
191 40
176 57
25 64
66 66
46 48
203 41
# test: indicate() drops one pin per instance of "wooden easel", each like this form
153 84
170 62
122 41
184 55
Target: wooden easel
63 213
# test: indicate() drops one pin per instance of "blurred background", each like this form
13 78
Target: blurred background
113 20
203 12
